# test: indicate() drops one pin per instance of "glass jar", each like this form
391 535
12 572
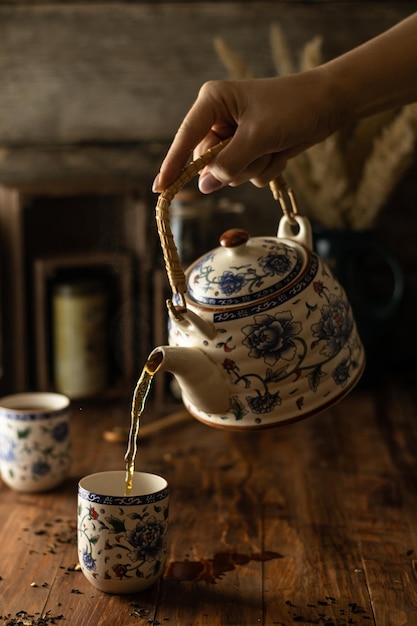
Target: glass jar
190 214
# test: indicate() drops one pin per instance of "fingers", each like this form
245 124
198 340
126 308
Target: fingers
215 175
245 111
215 115
246 157
186 138
176 159
207 122
232 164
260 172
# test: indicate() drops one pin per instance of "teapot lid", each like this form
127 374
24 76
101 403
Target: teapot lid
245 269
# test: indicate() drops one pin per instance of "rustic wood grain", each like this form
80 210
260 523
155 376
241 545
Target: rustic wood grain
60 170
312 523
77 73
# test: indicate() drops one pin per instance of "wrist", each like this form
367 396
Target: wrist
379 75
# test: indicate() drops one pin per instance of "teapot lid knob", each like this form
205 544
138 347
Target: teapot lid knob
234 237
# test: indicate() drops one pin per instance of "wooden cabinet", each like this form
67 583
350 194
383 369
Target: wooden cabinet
45 239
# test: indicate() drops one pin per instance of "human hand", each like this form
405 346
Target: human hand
268 120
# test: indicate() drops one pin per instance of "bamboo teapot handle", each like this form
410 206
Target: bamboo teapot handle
173 265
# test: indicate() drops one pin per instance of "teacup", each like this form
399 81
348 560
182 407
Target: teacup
35 444
122 540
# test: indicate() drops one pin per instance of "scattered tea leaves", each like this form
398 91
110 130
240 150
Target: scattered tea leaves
22 618
327 611
143 612
74 568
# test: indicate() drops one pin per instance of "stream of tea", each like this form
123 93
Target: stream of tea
138 405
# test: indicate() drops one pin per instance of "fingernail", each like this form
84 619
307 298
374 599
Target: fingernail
208 183
155 184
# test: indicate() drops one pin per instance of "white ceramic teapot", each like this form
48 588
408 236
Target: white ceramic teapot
260 333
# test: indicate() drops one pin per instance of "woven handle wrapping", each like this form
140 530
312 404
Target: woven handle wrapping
173 265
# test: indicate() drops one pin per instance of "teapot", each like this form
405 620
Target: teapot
260 332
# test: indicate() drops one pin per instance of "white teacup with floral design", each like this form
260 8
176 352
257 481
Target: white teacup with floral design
122 540
35 447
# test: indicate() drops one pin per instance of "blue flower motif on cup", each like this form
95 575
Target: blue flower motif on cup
147 540
40 468
60 432
88 560
129 551
7 449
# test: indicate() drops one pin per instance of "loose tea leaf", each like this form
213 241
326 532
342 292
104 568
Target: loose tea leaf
22 618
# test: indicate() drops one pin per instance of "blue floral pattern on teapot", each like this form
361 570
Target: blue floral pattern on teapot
285 334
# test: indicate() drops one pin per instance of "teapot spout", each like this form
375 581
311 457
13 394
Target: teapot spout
202 381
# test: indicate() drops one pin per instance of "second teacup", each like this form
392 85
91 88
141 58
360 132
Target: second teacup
34 440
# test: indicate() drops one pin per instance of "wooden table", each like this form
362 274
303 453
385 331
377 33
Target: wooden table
312 523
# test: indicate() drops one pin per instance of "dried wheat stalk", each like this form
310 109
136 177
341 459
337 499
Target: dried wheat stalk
311 55
280 50
391 156
237 68
344 184
326 160
360 141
